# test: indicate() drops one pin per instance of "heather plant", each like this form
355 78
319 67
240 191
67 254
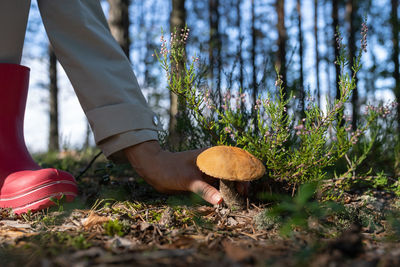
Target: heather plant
377 163
294 149
299 211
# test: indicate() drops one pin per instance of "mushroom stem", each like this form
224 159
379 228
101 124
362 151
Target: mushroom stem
230 195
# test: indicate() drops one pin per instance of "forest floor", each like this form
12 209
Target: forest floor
118 220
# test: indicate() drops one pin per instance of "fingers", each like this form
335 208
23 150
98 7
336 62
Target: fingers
206 191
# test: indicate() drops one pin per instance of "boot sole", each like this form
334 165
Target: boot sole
39 197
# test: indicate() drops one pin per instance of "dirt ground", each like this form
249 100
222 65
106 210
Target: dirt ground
120 221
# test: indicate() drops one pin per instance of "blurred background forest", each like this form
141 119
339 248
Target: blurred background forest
239 41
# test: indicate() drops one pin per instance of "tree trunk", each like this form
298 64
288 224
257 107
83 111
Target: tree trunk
301 79
253 53
177 107
327 56
86 144
351 10
118 20
53 88
282 37
240 45
335 25
395 56
215 48
316 52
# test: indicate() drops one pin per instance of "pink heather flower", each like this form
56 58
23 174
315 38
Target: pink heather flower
339 40
338 105
364 33
227 95
232 136
227 130
258 104
299 127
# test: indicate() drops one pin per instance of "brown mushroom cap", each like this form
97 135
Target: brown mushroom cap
230 163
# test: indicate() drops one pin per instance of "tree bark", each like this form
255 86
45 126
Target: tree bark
86 144
53 89
335 25
301 78
253 53
317 59
395 56
282 37
351 10
215 48
177 107
119 22
240 45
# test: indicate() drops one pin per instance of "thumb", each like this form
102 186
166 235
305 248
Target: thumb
206 191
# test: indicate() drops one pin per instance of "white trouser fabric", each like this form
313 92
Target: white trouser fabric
97 67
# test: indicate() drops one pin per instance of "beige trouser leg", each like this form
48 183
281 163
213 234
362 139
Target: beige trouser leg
13 19
100 74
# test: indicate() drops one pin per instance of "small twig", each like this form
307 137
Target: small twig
88 166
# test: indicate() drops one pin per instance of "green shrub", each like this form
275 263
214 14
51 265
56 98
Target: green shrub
294 149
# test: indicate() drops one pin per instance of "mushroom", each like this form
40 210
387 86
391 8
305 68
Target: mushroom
230 165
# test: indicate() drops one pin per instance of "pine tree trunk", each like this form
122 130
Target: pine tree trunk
350 12
118 20
215 48
240 46
335 25
177 107
53 88
282 37
301 79
327 56
316 52
253 53
86 144
396 52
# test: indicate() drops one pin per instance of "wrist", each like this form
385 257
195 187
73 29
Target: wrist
142 153
145 149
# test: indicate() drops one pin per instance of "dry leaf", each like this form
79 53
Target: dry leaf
205 210
94 219
144 225
14 233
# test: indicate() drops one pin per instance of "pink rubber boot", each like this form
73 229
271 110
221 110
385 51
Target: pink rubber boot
23 184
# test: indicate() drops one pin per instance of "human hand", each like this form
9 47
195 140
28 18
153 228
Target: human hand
170 172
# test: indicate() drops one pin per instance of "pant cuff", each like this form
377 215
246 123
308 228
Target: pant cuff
113 147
